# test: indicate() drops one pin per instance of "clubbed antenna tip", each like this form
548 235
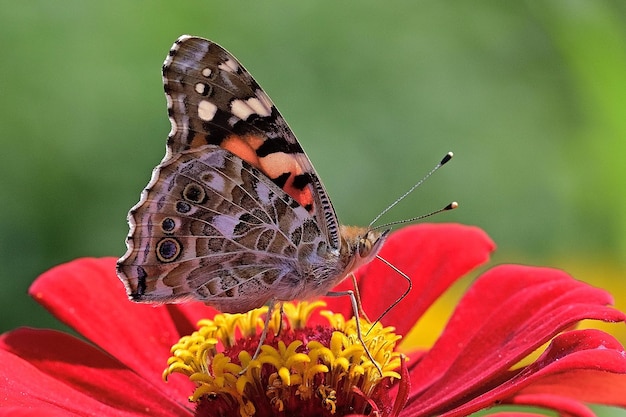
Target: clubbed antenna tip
446 158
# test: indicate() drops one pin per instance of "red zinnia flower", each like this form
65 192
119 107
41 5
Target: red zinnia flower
509 312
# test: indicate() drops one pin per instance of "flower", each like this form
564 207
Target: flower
482 358
299 369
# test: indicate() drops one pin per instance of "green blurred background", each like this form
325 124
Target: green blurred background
531 97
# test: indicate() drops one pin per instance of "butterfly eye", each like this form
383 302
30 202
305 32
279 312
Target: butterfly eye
365 246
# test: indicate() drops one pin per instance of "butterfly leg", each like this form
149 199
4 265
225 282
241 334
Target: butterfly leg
355 310
402 297
357 295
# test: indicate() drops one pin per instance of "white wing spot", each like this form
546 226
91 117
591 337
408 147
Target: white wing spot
170 105
206 110
200 88
244 108
207 72
264 98
259 107
229 65
241 109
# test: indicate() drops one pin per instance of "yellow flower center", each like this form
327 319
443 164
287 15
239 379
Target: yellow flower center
311 370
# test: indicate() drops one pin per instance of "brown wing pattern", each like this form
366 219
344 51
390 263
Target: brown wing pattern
210 227
212 99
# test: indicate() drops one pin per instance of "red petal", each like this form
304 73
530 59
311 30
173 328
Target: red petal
593 372
404 388
574 360
565 406
87 295
597 387
187 315
515 414
433 255
23 386
83 368
510 311
34 412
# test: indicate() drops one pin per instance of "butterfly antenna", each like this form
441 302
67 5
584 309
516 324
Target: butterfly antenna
445 159
450 206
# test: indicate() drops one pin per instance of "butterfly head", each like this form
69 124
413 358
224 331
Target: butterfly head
360 245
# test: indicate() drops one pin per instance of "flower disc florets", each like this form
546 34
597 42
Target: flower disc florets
313 371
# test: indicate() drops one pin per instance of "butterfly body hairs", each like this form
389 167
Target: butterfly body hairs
235 215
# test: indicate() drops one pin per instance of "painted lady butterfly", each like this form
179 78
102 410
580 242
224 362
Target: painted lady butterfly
235 215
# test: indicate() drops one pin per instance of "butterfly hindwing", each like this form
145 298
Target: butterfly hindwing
211 222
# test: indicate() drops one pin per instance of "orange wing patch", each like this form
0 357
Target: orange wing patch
281 167
244 147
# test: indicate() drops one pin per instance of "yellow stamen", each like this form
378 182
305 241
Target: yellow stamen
323 370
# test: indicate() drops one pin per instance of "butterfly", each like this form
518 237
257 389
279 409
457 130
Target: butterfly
235 215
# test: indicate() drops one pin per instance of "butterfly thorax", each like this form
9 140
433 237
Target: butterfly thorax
359 245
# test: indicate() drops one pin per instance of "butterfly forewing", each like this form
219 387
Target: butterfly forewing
213 100
235 214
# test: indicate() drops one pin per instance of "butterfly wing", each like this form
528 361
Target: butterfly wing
213 100
235 213
211 227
